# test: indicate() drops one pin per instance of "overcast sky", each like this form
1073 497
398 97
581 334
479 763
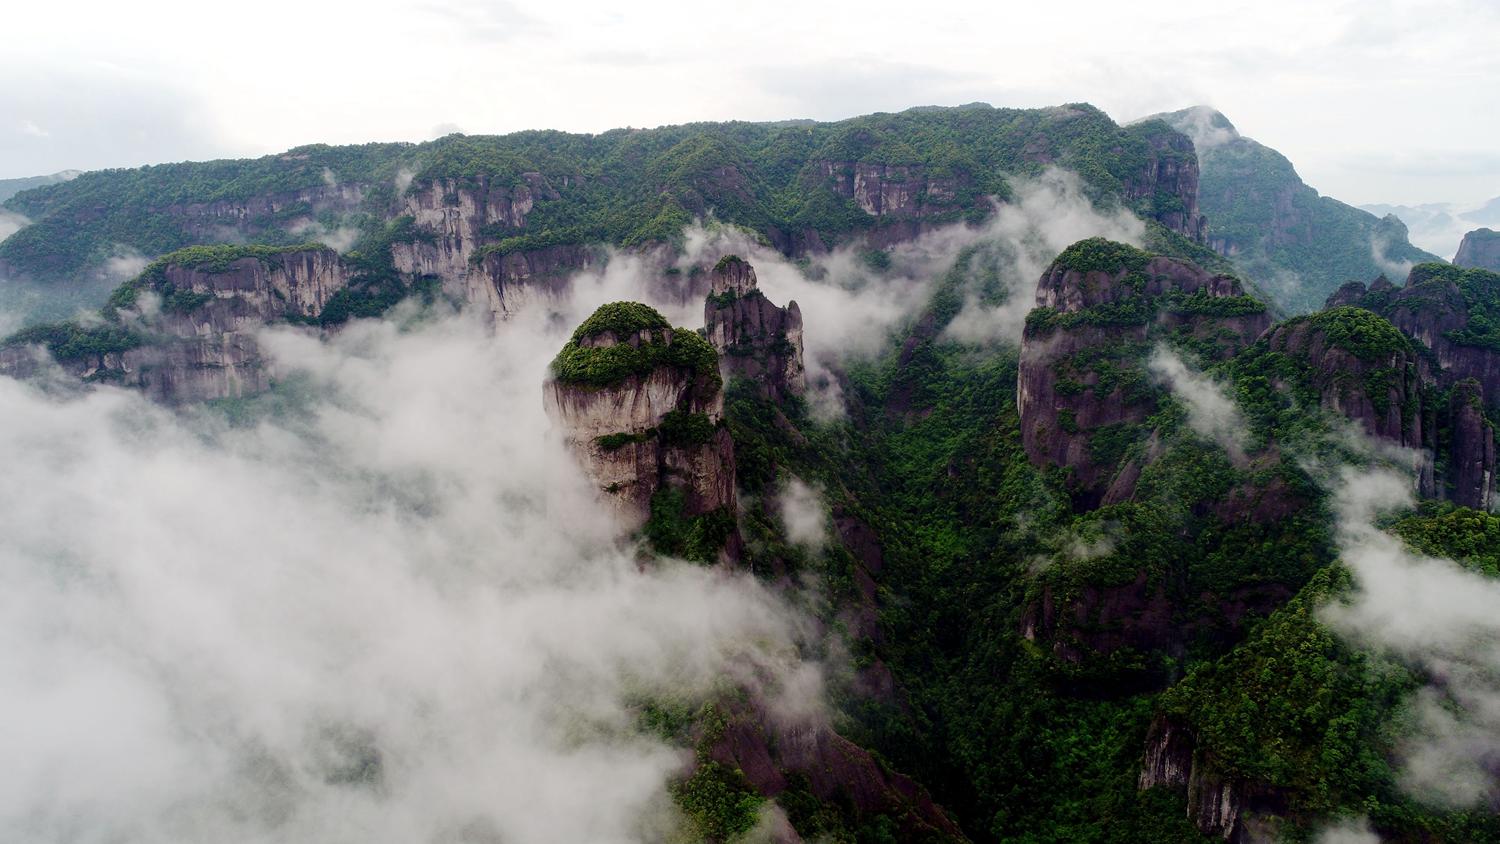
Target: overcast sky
1374 101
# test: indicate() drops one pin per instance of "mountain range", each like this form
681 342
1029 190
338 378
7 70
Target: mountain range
1150 490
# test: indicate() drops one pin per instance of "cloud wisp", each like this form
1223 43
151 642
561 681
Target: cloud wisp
804 514
1210 411
393 611
1437 617
1047 215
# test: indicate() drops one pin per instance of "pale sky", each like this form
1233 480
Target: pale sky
1379 101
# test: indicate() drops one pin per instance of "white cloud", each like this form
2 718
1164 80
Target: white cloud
1355 831
1046 215
1437 617
11 222
1210 410
804 514
395 613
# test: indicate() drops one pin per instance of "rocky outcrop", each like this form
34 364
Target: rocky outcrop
1447 312
1361 368
892 190
1167 183
194 319
1219 806
1480 249
1275 227
641 404
456 219
778 754
1100 306
755 339
239 220
1471 457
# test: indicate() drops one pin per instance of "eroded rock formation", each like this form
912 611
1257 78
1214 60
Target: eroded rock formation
186 328
1219 806
1471 456
1362 369
1100 307
457 219
755 339
642 405
779 754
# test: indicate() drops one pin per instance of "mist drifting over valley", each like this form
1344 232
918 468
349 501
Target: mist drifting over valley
517 423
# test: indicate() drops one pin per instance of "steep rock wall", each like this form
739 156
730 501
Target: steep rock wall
650 426
1471 458
197 324
755 339
1082 351
1480 248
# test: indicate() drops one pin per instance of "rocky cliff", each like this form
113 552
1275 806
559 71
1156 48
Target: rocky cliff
1216 805
1361 368
1293 243
1449 313
455 220
1471 458
804 187
185 329
1100 308
1480 249
755 339
641 404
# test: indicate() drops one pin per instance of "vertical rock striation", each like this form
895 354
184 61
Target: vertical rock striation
755 339
641 404
1471 456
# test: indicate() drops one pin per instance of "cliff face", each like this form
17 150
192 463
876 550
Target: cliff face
755 339
1480 249
1215 805
1449 311
1378 388
1168 182
196 325
892 190
641 404
1471 459
457 218
1100 307
209 222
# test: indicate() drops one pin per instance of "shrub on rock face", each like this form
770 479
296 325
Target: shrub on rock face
1098 254
624 339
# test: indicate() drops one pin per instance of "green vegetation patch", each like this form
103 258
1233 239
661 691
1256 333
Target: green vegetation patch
604 366
671 531
1481 293
681 428
728 261
68 341
1366 335
621 319
1098 254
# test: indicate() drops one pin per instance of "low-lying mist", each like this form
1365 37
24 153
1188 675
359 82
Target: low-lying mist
1432 614
392 612
382 603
